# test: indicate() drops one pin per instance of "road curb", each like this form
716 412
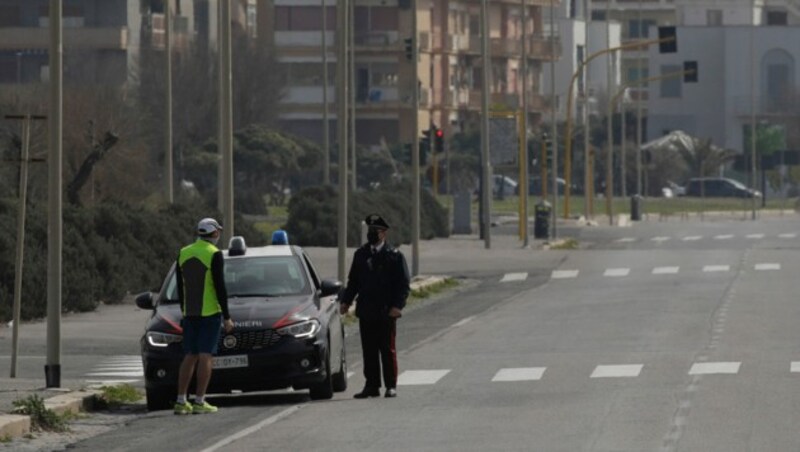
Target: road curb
419 282
18 425
14 425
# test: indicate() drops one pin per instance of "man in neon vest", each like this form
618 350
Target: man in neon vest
204 304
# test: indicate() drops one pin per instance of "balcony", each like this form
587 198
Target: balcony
376 40
74 38
541 47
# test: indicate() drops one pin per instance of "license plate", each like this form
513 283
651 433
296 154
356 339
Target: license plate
229 362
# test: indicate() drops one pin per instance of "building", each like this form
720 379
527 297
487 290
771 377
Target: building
448 70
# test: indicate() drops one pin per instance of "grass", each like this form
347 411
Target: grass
115 396
5 438
568 244
42 418
415 297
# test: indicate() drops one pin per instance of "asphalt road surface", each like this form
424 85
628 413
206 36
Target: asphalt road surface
662 336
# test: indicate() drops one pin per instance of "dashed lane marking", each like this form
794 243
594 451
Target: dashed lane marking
564 274
723 237
421 377
794 367
660 239
508 277
520 374
617 272
768 266
617 371
716 268
666 270
715 368
626 240
755 236
692 238
787 236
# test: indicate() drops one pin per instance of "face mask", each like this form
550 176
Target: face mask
373 238
212 240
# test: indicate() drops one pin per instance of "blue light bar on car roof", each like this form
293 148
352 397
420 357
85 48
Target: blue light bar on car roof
280 237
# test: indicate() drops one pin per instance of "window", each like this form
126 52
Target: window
303 18
9 16
383 74
579 55
308 74
671 87
714 17
599 16
383 18
777 18
640 30
633 74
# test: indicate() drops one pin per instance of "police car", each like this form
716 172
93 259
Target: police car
287 328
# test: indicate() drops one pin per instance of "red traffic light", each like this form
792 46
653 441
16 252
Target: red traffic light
439 133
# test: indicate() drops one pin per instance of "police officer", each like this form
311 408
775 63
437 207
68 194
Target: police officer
379 277
204 304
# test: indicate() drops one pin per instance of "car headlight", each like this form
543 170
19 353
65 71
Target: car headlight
157 339
307 328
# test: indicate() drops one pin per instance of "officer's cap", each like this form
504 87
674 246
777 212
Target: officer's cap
207 226
376 221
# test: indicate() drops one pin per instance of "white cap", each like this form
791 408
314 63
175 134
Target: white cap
207 226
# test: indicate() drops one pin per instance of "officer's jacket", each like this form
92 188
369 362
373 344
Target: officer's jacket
380 281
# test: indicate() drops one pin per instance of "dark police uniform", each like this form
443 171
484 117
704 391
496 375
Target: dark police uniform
380 279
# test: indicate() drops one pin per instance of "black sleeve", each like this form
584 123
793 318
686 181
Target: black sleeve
352 280
179 282
403 282
218 276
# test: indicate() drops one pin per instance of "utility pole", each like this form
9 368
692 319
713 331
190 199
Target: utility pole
342 97
168 103
486 193
609 130
226 113
640 75
588 187
52 368
326 138
24 160
553 117
753 125
352 99
415 197
523 184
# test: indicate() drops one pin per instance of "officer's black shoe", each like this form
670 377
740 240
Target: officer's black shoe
390 392
368 392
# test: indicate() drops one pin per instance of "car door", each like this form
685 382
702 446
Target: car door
329 307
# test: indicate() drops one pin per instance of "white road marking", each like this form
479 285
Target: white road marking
716 268
519 374
787 236
794 367
421 377
660 239
564 274
514 277
665 270
617 272
252 429
769 266
692 238
626 240
715 368
755 236
463 322
617 371
723 237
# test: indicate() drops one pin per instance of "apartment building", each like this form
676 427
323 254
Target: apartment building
448 70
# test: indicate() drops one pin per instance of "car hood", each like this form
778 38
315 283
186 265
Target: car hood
251 313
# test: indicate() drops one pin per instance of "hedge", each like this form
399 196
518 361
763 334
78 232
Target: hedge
109 250
313 214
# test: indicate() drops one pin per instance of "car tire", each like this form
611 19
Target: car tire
160 398
324 389
340 378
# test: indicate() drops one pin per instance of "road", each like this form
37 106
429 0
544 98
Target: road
663 336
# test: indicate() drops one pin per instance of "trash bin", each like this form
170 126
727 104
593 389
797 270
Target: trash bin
636 208
541 222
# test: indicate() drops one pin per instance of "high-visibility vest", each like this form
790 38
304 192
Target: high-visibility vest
199 293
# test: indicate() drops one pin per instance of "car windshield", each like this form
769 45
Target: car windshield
260 276
738 184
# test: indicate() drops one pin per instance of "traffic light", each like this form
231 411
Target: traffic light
669 40
690 71
548 146
425 142
409 43
438 139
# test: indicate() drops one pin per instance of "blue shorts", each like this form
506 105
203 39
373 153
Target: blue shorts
201 334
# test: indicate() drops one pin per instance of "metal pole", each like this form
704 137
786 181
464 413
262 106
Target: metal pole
415 170
220 114
52 368
23 196
168 104
639 109
326 138
523 184
588 188
609 129
341 123
352 99
227 122
753 128
623 151
487 165
553 117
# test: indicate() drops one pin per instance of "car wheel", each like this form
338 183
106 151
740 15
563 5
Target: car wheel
340 378
323 390
160 398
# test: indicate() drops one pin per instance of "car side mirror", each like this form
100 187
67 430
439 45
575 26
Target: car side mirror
145 300
330 287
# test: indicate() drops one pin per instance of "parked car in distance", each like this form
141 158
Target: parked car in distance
535 186
719 187
504 183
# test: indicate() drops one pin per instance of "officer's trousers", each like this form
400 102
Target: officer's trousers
378 348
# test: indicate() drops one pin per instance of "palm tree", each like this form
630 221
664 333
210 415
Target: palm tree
703 158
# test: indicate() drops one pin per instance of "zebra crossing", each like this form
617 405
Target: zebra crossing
696 238
621 272
116 370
